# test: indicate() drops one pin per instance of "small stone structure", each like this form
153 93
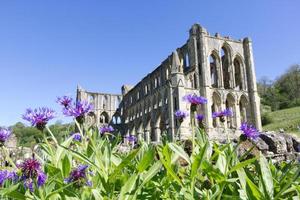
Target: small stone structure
218 68
276 146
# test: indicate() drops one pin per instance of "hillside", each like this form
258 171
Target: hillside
287 119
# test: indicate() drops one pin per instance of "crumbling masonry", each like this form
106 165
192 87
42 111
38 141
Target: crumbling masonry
218 68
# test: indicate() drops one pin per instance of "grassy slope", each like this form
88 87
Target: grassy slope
288 119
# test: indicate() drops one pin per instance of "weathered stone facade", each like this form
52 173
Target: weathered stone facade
218 68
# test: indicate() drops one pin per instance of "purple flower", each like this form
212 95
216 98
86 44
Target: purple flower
249 131
194 99
106 129
180 114
78 176
131 138
225 113
41 178
76 136
4 135
64 101
6 175
200 117
39 117
78 110
30 171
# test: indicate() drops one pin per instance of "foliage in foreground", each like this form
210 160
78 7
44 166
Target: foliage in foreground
165 171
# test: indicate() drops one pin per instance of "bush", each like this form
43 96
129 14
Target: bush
266 119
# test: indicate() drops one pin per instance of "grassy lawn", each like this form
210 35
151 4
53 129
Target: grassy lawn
287 119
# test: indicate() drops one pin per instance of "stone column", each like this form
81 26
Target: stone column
157 134
252 87
205 85
147 135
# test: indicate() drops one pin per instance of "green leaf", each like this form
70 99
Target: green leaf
128 188
242 165
125 162
266 175
66 166
254 191
146 160
198 161
178 150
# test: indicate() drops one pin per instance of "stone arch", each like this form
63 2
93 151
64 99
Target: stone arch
214 62
230 104
226 63
239 73
216 107
245 113
91 119
147 128
104 118
156 128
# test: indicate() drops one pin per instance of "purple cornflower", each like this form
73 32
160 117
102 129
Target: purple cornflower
200 117
64 101
31 171
106 129
131 138
78 110
225 113
4 135
7 175
76 136
194 99
78 176
39 117
249 131
180 114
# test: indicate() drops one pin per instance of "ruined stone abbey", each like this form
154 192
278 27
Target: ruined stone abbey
218 68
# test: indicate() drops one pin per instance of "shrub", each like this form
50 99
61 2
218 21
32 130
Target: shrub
266 119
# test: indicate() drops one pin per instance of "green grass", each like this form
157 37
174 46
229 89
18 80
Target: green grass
287 119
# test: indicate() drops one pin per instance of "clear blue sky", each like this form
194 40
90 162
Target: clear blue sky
48 47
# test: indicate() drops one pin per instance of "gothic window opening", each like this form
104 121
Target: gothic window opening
230 104
186 60
244 109
104 118
238 74
213 71
225 67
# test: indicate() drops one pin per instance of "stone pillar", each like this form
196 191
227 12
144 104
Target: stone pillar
252 87
205 85
147 135
157 134
171 130
238 114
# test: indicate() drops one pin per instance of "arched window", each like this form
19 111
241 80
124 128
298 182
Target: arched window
230 104
104 118
216 107
225 67
213 70
238 74
245 113
186 60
